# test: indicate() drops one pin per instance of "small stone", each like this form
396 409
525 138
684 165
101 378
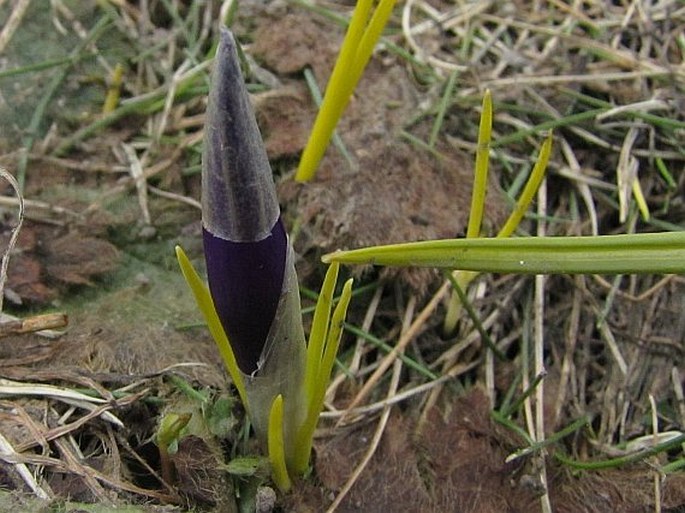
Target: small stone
265 501
147 232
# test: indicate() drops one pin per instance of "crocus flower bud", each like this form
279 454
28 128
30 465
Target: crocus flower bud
252 307
244 239
249 259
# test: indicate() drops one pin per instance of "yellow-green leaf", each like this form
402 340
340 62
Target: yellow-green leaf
276 447
204 301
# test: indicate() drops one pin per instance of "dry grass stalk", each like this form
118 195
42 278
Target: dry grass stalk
32 324
4 262
385 415
13 22
402 343
8 455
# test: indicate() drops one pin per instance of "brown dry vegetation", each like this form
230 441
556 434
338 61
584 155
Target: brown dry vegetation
108 195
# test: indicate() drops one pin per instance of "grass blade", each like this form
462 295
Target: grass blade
319 332
204 301
642 253
532 186
276 446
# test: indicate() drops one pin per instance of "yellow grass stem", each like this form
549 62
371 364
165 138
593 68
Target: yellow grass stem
529 190
480 178
368 41
276 447
319 332
204 301
355 53
453 313
114 90
333 102
480 181
640 199
320 374
333 341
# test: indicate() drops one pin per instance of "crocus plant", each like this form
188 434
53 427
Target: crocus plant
252 304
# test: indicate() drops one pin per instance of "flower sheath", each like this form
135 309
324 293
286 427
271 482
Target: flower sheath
244 240
249 259
252 306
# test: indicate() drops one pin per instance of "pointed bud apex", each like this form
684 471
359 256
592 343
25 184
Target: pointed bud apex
238 195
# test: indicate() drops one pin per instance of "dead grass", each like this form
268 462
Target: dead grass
608 77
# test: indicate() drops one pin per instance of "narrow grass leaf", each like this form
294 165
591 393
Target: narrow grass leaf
319 332
204 301
642 253
531 187
510 424
35 67
463 301
622 460
480 178
113 90
412 364
571 120
276 446
319 381
665 173
640 199
442 108
552 439
334 102
674 466
508 409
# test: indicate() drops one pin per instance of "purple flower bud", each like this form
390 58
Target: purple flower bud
245 280
244 239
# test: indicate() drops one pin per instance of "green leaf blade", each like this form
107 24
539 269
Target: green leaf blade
204 302
608 254
277 447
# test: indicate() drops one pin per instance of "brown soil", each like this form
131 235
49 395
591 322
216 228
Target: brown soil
456 462
381 197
